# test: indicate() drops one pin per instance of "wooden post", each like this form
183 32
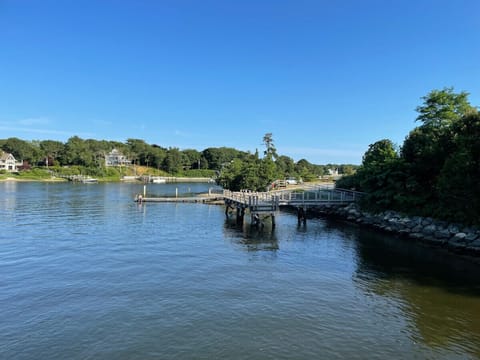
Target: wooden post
144 191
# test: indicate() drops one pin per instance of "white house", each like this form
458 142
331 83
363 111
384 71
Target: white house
8 162
332 172
116 158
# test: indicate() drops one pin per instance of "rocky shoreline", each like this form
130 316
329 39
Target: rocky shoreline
453 237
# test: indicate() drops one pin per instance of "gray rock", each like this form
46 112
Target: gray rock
417 229
460 237
426 221
456 245
442 234
429 229
471 237
475 244
433 240
453 229
416 235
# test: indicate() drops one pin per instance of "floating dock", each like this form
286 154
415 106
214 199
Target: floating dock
209 199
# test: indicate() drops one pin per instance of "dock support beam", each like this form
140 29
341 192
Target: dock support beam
240 215
301 215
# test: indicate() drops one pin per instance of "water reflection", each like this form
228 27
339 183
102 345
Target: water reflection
437 292
251 238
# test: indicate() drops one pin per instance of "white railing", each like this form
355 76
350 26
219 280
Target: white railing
322 195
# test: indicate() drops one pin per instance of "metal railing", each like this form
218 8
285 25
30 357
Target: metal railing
300 197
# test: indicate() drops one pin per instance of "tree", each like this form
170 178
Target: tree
379 152
428 146
173 161
157 155
21 150
138 150
192 158
285 165
217 157
51 149
443 107
458 186
77 153
270 150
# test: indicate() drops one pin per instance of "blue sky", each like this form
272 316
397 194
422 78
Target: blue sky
327 78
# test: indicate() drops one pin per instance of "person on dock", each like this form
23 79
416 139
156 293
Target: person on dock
139 198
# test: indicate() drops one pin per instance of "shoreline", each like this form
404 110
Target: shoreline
100 180
10 179
457 239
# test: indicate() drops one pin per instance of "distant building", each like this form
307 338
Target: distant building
116 158
8 162
333 172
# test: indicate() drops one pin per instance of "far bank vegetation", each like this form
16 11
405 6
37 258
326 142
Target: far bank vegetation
78 156
435 172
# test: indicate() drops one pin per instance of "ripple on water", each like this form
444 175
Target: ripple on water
86 273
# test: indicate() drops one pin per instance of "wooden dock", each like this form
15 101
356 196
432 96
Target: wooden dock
266 204
271 201
205 199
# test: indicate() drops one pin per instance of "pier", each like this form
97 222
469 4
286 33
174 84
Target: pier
264 205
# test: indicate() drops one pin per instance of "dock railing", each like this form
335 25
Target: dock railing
300 197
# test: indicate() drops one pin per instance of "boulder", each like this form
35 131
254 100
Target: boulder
429 229
442 234
453 229
460 237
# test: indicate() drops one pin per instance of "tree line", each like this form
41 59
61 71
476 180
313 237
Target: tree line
89 154
435 172
257 171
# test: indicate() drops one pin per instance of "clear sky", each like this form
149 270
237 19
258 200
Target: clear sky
327 78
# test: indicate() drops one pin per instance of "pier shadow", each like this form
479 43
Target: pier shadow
396 257
439 292
250 237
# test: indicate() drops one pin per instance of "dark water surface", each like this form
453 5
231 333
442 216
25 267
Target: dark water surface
85 273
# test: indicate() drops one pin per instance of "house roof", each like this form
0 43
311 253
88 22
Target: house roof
5 156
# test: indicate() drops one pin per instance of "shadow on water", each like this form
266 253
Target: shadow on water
251 238
438 291
395 257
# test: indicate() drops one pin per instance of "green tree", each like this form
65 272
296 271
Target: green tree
443 107
22 150
428 146
76 152
381 176
285 166
51 149
192 158
379 152
270 151
217 157
173 161
458 185
138 151
157 155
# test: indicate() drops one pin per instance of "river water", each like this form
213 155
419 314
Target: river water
86 273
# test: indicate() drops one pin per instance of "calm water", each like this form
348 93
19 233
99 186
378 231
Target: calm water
85 273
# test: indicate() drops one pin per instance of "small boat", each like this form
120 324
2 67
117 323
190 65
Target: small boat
159 181
89 180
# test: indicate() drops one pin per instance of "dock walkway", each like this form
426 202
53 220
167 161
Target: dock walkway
266 204
306 197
